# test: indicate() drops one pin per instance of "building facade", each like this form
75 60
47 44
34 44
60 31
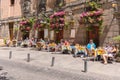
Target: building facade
11 12
78 32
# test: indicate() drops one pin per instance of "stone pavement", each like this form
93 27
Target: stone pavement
63 62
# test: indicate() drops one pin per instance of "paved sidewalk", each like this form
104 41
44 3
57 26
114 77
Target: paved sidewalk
63 62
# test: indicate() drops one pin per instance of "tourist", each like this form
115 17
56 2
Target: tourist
66 48
32 42
80 50
91 47
99 52
52 46
110 52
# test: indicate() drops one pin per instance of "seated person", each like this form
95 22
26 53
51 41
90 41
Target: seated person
42 41
110 52
80 50
24 43
66 48
99 51
72 45
41 44
59 46
32 42
14 42
52 46
19 42
91 48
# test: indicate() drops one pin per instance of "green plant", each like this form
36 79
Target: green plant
117 56
5 41
92 16
26 24
117 38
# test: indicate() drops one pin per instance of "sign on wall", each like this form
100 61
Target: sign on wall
36 33
45 33
72 33
51 35
5 34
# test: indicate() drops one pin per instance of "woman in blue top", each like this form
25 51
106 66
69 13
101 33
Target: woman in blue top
91 46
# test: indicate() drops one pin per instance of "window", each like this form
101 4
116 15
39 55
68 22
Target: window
12 2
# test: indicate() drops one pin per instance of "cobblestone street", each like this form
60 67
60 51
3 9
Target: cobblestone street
65 68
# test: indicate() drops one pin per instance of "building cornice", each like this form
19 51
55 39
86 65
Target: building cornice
10 19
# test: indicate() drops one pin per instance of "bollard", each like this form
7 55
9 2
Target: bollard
53 60
85 65
10 54
48 49
28 57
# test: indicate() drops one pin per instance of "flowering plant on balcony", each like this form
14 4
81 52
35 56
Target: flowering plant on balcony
93 15
26 24
42 23
57 21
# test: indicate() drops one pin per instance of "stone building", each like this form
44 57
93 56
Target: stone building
11 12
110 24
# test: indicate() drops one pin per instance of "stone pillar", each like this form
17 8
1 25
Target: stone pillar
5 31
18 33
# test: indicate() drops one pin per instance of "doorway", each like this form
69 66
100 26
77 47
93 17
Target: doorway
25 35
41 34
59 35
93 34
11 24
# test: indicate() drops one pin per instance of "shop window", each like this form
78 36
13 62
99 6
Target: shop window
12 2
